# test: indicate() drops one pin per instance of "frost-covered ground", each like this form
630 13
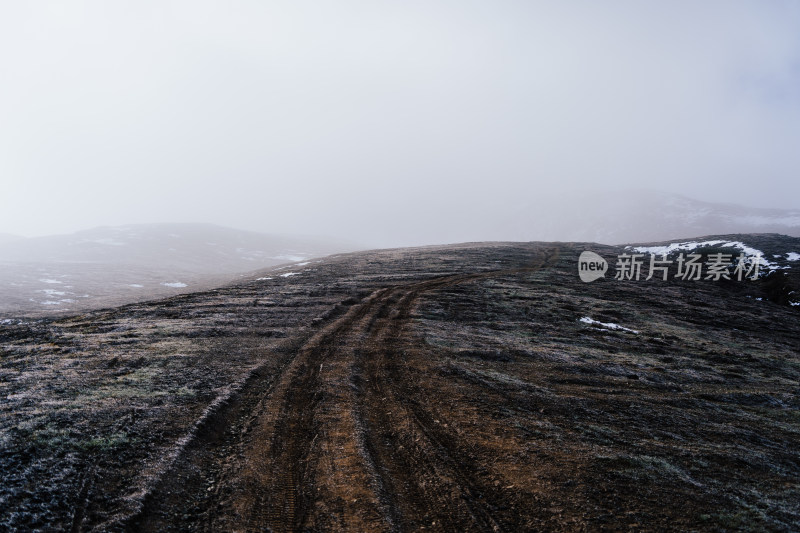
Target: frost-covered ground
531 386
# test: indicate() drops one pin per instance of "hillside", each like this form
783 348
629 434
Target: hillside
473 387
122 264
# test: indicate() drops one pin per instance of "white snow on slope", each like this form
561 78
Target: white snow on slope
693 245
606 325
176 284
52 292
793 256
289 257
289 274
58 302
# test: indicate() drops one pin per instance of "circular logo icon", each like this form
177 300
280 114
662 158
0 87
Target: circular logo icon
591 266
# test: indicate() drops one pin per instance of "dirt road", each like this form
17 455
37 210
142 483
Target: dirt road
454 388
338 441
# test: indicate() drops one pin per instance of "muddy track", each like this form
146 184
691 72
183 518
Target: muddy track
340 440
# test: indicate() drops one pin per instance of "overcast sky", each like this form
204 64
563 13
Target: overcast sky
354 118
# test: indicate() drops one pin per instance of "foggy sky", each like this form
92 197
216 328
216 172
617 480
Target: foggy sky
386 122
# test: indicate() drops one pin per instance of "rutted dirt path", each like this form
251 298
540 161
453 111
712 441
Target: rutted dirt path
453 388
335 442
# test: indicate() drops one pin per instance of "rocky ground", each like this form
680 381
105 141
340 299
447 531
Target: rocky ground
474 387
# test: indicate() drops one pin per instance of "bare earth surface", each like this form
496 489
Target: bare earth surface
442 388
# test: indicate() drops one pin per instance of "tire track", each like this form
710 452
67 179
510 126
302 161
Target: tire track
271 483
428 483
336 443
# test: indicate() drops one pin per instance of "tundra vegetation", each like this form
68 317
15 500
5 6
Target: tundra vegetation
450 388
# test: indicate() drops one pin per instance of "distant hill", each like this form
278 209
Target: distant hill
113 265
614 217
7 237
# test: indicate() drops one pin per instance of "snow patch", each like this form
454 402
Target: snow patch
136 285
50 281
57 302
793 256
606 325
693 245
290 257
289 274
52 292
176 284
262 279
